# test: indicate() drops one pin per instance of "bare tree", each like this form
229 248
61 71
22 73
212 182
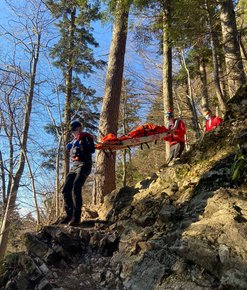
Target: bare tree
33 26
190 96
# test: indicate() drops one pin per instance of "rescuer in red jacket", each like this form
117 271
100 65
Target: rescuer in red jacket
212 122
176 138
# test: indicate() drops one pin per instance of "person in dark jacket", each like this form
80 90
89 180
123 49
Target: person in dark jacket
81 150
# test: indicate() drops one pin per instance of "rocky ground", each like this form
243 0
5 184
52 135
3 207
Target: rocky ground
183 228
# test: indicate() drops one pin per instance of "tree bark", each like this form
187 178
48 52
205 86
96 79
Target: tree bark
10 133
11 158
234 65
56 202
34 188
191 98
222 76
124 162
243 51
167 66
203 78
242 27
105 166
124 153
57 193
2 172
216 77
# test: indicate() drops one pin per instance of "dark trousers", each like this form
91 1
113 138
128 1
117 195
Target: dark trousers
175 151
72 189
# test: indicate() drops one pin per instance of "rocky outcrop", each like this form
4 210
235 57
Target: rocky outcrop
60 257
182 228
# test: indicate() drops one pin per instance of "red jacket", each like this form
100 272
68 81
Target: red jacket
212 123
178 135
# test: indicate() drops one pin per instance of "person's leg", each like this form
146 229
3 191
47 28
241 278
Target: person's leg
67 195
177 149
182 146
81 176
172 152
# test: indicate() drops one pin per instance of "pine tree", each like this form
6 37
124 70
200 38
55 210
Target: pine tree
73 55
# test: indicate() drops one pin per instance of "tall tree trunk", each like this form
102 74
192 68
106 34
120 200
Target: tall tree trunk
222 76
203 78
2 173
57 194
33 188
11 158
105 167
124 153
191 98
4 233
10 133
243 53
60 137
124 163
242 27
167 65
130 169
234 65
68 93
216 77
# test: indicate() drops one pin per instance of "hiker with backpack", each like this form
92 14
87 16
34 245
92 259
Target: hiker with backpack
81 149
176 138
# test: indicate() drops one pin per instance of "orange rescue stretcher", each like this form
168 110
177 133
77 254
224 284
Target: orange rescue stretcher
143 134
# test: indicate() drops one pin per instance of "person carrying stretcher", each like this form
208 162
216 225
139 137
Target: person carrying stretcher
176 138
212 122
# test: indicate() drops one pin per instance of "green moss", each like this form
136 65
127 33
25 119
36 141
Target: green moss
13 260
182 171
12 264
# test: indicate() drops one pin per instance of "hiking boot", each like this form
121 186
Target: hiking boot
177 161
65 220
74 223
163 166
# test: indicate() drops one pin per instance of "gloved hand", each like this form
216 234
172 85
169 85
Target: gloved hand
69 146
76 143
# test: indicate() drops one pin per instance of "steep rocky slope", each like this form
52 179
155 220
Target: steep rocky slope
182 228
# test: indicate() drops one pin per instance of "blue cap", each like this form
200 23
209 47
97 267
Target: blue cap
74 125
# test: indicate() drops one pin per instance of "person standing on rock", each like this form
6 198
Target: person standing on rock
212 122
81 149
176 138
